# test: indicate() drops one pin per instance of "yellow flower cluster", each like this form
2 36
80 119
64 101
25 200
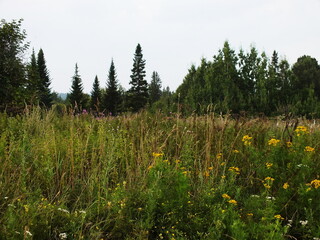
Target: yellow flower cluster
278 216
157 154
226 196
232 201
246 139
300 130
269 165
309 149
273 142
219 155
269 179
285 185
315 183
289 144
236 170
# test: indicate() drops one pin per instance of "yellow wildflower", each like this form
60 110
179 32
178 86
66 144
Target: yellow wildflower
157 154
315 183
226 196
223 176
232 201
300 130
236 170
250 214
223 163
285 185
206 174
235 151
178 161
266 185
278 216
210 168
219 155
309 149
269 179
289 144
269 165
274 142
246 139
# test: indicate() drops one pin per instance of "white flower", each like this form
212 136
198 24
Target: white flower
270 198
303 223
255 196
28 233
63 236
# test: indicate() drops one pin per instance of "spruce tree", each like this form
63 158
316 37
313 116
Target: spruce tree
96 95
155 88
112 96
76 95
138 93
45 96
33 79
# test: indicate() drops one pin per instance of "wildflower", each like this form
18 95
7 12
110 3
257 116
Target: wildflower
249 214
285 185
315 183
289 144
178 161
219 155
223 176
150 167
206 174
26 208
270 198
274 142
223 163
236 170
235 151
269 165
309 149
210 168
226 196
62 236
303 223
246 139
300 130
109 204
266 185
157 154
255 196
232 201
139 209
269 179
278 216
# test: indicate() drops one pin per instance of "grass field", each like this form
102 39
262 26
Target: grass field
149 176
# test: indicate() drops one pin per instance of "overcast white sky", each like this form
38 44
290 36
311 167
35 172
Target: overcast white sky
173 33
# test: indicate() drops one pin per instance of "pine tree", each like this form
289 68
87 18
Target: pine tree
112 97
138 93
76 95
45 96
96 95
33 79
155 88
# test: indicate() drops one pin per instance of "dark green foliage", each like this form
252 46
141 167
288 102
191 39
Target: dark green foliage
12 68
76 96
45 96
96 95
33 80
155 88
138 93
112 96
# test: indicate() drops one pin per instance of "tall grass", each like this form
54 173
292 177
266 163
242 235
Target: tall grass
146 176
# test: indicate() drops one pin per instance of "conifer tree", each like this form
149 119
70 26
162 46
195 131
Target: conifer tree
96 95
155 88
33 79
112 97
45 96
76 95
138 93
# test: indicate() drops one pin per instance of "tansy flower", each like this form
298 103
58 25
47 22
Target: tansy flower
236 170
285 185
274 142
301 130
315 183
269 165
232 201
246 139
309 149
269 179
157 154
226 196
278 216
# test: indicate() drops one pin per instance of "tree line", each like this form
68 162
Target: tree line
243 82
249 82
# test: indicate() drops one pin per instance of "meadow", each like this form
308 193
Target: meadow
154 176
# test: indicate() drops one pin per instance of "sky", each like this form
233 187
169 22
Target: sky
173 34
